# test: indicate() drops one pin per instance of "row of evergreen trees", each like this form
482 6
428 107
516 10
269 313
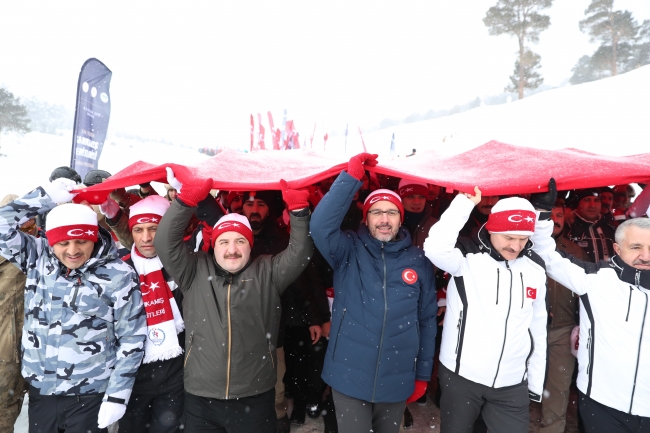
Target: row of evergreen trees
624 43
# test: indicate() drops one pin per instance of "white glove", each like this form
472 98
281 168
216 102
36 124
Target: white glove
109 208
171 179
59 190
110 412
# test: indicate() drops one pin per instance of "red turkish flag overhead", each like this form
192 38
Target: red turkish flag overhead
497 169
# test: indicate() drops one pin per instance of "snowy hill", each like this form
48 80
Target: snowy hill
608 117
28 159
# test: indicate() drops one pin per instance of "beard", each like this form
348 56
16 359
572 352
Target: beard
255 220
383 237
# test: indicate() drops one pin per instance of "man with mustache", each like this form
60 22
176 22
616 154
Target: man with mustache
382 338
84 322
614 350
562 309
493 351
231 309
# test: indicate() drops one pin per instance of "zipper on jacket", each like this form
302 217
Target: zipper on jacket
629 302
76 291
497 295
336 343
229 345
383 326
589 351
638 355
460 321
505 331
523 292
189 351
271 353
532 349
595 241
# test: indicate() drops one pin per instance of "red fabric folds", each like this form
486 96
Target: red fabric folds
496 168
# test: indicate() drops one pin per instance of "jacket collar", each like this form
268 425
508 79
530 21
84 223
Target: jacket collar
629 274
482 239
228 276
402 240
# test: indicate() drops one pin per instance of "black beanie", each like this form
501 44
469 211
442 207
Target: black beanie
273 200
579 194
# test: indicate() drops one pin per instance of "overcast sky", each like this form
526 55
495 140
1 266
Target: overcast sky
193 71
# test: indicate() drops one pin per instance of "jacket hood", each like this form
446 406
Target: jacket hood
630 274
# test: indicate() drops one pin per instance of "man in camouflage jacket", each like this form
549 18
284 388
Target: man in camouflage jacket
84 329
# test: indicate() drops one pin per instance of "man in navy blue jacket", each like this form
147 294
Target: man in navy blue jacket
383 331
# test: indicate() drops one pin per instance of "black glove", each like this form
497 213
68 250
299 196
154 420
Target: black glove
208 210
545 200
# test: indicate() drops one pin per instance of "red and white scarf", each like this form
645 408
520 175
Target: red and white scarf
164 320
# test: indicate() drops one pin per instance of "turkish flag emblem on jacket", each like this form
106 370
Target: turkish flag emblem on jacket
531 293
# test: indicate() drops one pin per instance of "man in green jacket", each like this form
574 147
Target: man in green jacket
232 311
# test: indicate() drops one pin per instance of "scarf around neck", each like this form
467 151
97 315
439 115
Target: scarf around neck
164 320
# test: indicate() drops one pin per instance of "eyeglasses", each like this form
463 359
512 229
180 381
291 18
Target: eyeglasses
377 212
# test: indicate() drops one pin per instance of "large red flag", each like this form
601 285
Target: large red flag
252 132
260 141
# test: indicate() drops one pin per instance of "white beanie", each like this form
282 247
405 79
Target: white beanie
71 221
514 216
148 210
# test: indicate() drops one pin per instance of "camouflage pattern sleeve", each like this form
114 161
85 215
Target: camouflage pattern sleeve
121 229
20 248
130 327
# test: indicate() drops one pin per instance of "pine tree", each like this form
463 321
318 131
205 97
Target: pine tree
530 64
615 30
521 18
13 115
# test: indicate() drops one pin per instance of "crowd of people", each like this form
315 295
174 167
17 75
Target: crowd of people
207 310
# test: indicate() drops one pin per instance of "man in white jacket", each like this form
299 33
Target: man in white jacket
614 351
493 353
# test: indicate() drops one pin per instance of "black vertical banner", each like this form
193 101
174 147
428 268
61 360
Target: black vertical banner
91 116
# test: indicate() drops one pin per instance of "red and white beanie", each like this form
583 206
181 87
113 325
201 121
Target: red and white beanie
148 210
409 187
71 221
233 222
513 216
383 195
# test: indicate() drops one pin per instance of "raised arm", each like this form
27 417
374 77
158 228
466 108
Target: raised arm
174 253
439 247
20 248
291 262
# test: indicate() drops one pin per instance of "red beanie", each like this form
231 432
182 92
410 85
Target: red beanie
514 215
409 187
71 221
382 195
232 222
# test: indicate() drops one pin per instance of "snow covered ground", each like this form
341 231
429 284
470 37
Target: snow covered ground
28 159
426 419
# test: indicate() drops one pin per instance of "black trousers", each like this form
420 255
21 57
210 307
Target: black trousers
242 415
597 418
505 410
304 366
63 414
154 413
